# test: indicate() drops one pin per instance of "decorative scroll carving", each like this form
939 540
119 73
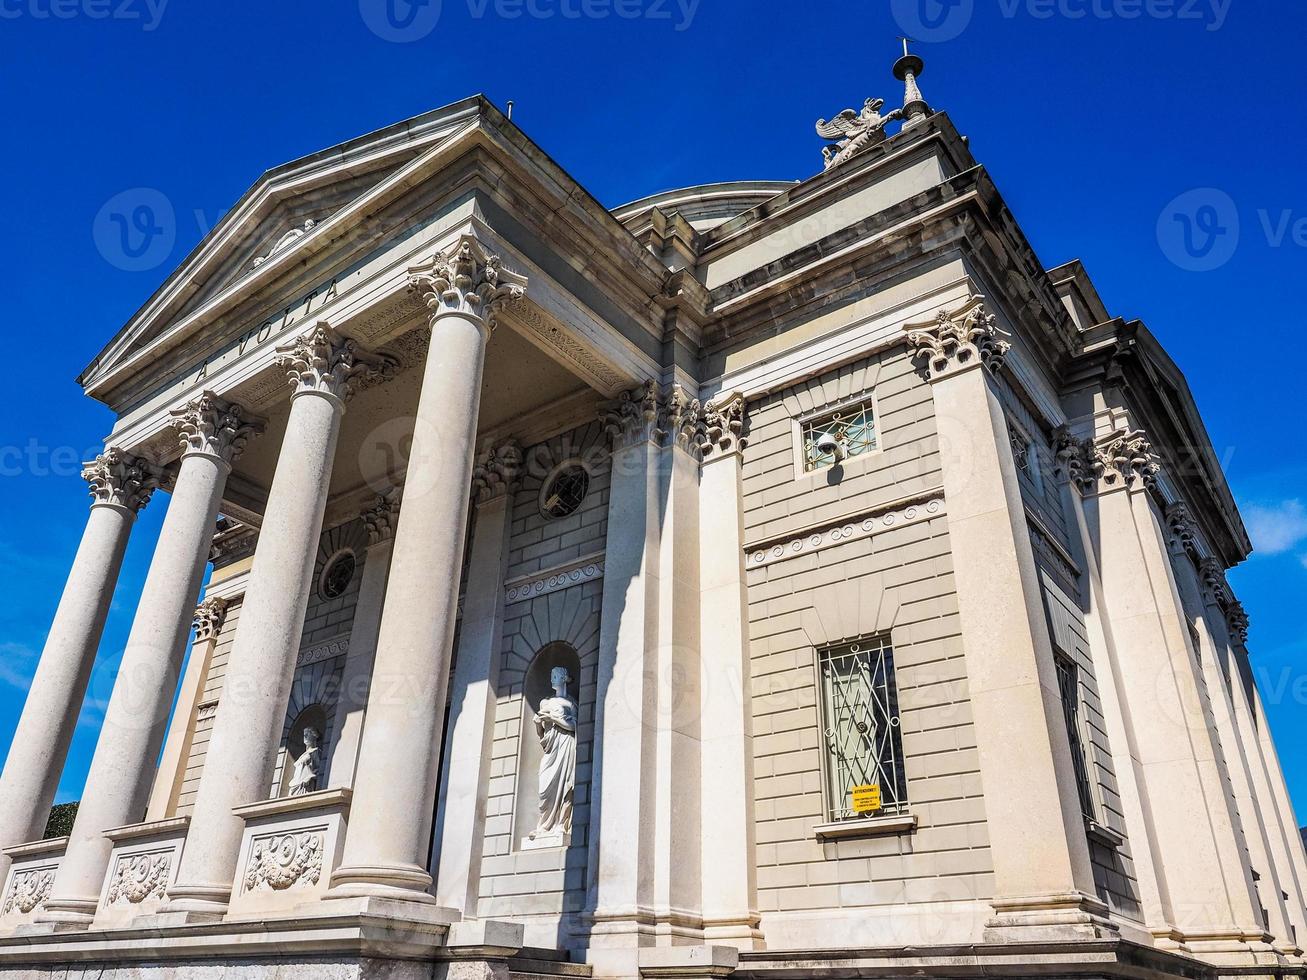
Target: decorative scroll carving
117 477
209 617
1124 459
323 651
466 281
283 861
723 426
380 519
633 417
28 890
855 528
587 569
137 877
206 711
326 361
497 471
967 338
285 242
214 427
1183 531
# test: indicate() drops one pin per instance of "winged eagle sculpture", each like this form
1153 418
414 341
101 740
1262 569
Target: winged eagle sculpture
854 131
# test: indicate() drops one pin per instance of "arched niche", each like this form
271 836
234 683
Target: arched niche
314 716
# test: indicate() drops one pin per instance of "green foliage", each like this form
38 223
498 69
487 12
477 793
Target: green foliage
61 820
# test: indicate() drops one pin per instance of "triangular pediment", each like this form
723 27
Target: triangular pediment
277 217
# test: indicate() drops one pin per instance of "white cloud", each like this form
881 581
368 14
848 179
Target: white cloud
17 664
1277 528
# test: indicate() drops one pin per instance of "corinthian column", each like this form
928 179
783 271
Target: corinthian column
320 366
1043 880
400 753
213 433
120 486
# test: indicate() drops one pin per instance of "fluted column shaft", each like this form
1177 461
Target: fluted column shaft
118 785
120 486
243 746
402 735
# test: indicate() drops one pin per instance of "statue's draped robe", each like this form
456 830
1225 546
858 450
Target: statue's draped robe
305 777
557 725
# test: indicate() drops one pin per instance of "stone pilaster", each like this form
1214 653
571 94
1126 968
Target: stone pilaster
463 290
120 485
730 887
1044 885
457 844
1210 899
212 433
355 681
322 367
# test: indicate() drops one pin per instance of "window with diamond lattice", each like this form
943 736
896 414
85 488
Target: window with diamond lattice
1068 684
853 427
860 729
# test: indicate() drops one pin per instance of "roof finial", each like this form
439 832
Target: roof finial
907 70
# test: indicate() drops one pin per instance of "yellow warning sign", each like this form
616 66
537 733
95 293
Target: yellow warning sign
866 799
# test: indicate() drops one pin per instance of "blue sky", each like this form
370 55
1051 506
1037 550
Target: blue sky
1097 118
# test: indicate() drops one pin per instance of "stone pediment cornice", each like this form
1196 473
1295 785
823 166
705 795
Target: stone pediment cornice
475 137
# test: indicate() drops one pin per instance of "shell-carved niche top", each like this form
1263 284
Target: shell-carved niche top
286 241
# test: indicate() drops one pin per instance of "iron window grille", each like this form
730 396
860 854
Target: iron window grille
861 733
564 493
1068 684
853 426
1026 457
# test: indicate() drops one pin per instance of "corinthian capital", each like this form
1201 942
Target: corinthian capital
723 426
214 427
1237 618
381 518
961 340
209 617
1124 459
465 281
1215 589
325 361
1181 529
634 416
118 478
682 418
496 472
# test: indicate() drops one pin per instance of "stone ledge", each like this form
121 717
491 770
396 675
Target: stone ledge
899 823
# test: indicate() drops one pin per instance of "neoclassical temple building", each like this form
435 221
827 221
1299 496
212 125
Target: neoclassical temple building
760 580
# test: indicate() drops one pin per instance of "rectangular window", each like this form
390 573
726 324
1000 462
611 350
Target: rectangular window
1068 683
851 429
860 730
1026 457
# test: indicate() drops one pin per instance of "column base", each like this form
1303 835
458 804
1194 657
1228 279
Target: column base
1050 918
401 882
204 903
738 931
68 913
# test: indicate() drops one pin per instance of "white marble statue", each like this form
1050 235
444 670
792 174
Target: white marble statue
556 729
308 766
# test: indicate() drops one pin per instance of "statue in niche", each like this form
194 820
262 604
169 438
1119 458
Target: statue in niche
308 766
556 729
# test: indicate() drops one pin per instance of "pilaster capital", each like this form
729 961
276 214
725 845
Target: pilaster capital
214 427
1114 461
1237 618
327 362
723 426
959 341
116 477
681 417
465 281
633 418
381 518
1216 590
209 617
496 472
1182 532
